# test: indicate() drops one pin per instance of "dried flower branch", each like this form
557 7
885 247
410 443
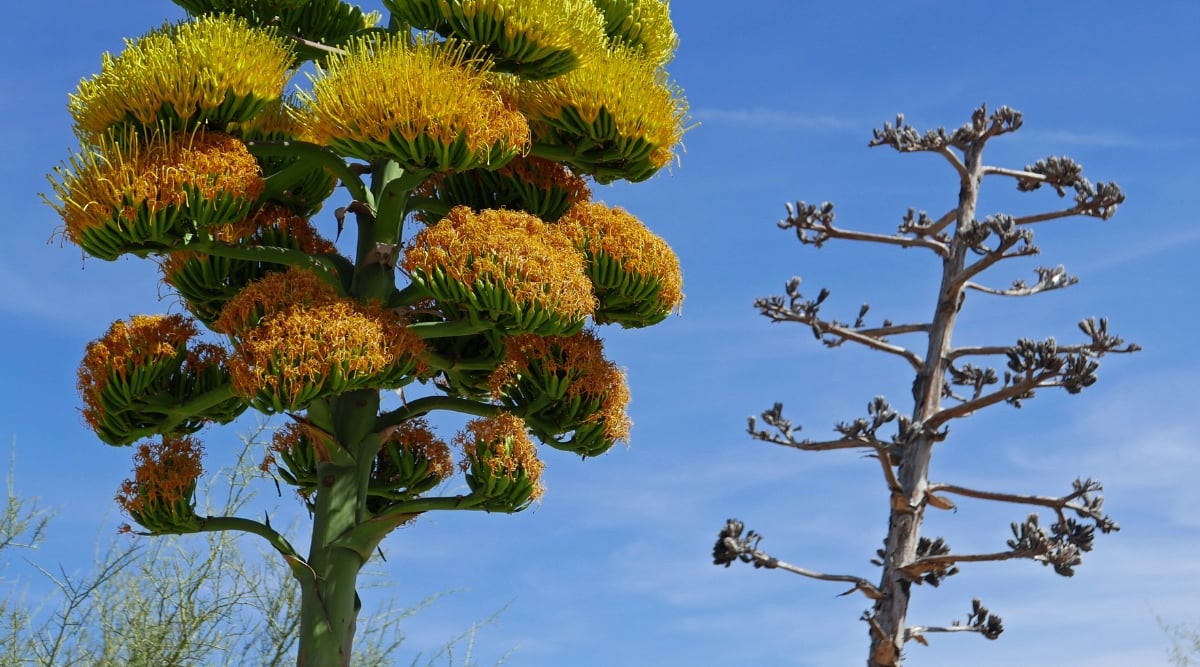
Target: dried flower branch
947 385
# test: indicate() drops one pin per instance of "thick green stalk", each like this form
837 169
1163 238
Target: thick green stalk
329 606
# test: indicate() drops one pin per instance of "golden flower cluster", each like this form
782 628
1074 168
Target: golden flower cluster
642 24
296 341
618 113
428 106
148 193
636 274
502 447
211 70
536 39
504 265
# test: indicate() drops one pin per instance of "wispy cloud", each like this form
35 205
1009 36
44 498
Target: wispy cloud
773 118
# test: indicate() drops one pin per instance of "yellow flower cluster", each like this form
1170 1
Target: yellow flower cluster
618 113
503 266
428 106
309 343
211 70
160 496
536 39
146 194
635 272
642 24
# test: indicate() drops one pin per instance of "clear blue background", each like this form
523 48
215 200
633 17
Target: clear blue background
614 566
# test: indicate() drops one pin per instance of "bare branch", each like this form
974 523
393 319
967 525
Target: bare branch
1012 393
855 438
818 219
732 546
832 332
1048 279
1008 236
894 330
979 620
1088 507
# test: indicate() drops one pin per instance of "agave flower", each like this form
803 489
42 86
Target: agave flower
505 267
537 186
161 495
208 72
429 107
297 341
411 461
501 463
564 385
324 22
207 282
636 275
536 39
135 378
298 184
644 25
145 195
617 116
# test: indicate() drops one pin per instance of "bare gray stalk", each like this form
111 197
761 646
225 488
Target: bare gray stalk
950 382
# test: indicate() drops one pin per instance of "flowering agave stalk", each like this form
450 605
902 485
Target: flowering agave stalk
479 121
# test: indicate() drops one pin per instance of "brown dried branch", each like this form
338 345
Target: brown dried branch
731 546
818 219
832 332
1048 279
979 620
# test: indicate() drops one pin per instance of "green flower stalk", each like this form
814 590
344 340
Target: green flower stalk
485 121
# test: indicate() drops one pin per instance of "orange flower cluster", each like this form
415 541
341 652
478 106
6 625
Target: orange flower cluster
160 496
296 340
583 387
636 274
500 459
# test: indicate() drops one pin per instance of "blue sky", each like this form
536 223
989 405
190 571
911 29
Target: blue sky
614 566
